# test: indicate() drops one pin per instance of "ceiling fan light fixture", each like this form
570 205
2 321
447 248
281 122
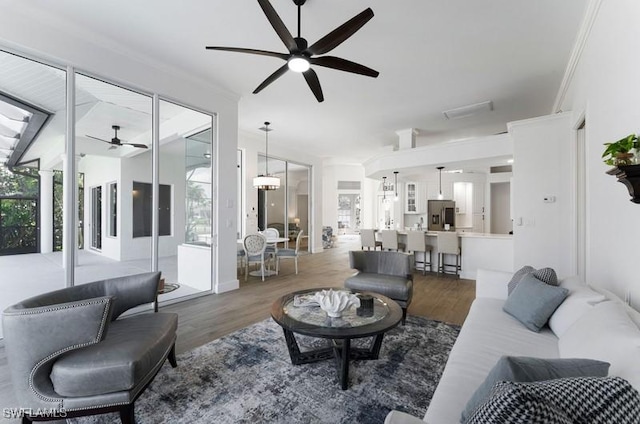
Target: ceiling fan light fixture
298 64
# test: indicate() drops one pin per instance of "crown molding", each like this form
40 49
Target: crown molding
581 40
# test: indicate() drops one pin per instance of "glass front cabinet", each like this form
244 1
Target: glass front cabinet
414 200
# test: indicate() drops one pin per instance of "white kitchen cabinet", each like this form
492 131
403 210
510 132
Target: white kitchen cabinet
461 195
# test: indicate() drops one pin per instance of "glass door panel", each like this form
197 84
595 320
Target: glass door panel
32 132
113 146
187 155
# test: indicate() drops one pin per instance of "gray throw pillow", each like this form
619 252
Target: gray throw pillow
532 302
517 276
593 400
524 369
546 275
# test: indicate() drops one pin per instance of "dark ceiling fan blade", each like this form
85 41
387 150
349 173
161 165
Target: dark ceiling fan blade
344 65
140 146
271 78
340 34
314 84
96 138
250 51
278 25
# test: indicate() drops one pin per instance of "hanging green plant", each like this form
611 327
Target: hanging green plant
619 152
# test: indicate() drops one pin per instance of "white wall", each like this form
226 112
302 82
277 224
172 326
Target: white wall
332 173
36 37
543 231
606 88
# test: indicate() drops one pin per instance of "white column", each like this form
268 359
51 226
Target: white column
46 211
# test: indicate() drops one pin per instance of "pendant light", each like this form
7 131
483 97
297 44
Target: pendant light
440 196
395 186
384 189
266 181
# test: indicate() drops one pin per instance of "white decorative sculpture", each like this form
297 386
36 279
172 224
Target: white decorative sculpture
335 302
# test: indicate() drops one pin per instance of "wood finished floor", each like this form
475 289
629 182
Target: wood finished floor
210 317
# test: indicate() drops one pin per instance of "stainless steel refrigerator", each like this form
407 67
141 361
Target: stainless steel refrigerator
441 213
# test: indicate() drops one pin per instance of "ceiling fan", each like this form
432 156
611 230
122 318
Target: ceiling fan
115 141
301 55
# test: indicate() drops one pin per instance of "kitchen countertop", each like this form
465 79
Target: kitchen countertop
467 234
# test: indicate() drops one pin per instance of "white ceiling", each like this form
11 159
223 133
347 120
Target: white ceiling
431 55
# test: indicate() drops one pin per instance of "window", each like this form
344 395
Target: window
142 210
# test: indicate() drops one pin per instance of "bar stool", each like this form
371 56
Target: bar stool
368 239
416 243
390 240
448 244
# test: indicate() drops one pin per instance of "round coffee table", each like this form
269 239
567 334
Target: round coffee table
313 321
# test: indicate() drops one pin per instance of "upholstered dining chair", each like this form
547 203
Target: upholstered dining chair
368 239
271 234
254 247
289 253
390 240
417 244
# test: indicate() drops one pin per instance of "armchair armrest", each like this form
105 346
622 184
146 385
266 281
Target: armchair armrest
35 336
492 284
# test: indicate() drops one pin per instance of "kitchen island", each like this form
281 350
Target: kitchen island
479 250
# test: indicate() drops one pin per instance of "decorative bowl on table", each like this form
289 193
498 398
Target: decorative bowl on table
336 302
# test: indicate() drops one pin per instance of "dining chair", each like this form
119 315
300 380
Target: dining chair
254 247
417 244
390 240
368 239
448 244
289 253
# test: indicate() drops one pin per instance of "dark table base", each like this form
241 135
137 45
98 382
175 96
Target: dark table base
340 350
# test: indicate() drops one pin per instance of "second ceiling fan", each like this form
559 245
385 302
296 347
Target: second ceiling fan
116 142
300 56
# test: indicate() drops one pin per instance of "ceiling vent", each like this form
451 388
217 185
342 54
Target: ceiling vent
464 111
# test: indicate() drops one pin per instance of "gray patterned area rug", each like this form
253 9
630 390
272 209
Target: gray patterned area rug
247 377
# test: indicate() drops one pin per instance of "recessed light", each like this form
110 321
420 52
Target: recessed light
509 160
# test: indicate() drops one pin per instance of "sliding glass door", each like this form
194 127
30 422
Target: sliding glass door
287 208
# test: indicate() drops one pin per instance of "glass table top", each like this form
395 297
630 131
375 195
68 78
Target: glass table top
312 313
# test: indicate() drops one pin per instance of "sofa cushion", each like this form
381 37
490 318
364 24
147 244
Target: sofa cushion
396 288
532 302
526 369
594 400
132 348
579 301
487 334
606 333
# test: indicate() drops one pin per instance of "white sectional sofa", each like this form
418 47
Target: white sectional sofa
489 333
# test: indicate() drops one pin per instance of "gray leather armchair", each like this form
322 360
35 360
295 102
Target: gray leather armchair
387 273
71 354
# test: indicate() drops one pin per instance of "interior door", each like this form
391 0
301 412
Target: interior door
96 217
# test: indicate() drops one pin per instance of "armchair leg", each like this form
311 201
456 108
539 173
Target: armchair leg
172 356
127 414
404 315
26 420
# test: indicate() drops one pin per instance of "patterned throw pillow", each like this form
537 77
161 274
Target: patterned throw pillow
546 275
594 400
